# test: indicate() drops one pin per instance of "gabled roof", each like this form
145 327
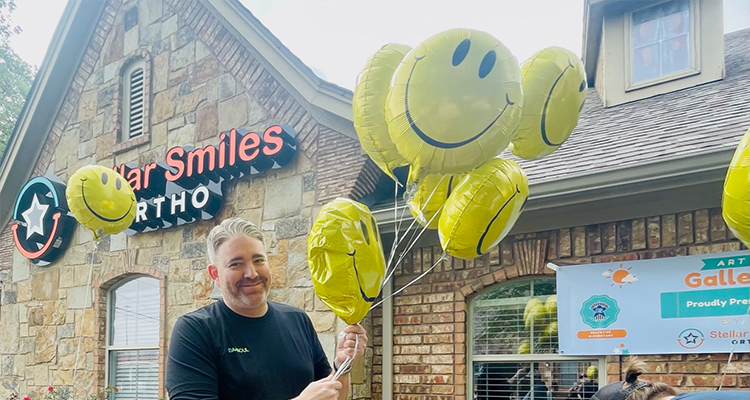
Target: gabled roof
329 104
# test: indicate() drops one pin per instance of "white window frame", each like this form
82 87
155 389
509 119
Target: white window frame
108 348
126 97
514 358
694 35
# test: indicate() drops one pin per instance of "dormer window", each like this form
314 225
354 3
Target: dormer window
662 43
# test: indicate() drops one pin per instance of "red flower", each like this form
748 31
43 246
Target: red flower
50 388
26 398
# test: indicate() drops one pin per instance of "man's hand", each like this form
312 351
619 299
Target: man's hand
346 343
324 389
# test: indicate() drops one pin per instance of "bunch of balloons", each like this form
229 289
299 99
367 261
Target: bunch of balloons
447 108
540 318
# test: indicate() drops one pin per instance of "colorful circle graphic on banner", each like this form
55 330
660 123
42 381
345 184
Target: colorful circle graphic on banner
44 226
346 259
483 208
454 102
101 200
554 91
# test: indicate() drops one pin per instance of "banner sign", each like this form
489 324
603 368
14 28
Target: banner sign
184 188
692 304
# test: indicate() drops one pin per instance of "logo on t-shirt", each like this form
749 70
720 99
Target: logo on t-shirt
238 350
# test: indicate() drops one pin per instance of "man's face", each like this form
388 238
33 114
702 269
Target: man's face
242 273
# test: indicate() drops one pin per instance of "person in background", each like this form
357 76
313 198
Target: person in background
634 389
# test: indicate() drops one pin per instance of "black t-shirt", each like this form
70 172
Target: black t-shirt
216 353
714 395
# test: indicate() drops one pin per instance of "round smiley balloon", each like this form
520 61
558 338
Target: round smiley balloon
454 102
426 197
101 200
346 259
554 91
735 202
367 106
483 208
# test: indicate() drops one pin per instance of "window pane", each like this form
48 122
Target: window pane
646 63
660 40
534 381
135 374
136 312
517 318
676 55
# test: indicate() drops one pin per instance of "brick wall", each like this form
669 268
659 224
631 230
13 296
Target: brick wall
429 323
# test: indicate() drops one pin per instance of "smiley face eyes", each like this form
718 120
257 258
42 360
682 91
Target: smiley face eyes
462 50
487 63
105 179
583 86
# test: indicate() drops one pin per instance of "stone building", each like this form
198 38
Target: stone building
126 81
123 82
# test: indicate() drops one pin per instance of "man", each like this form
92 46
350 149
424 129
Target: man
245 347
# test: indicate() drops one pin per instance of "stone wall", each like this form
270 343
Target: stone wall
201 80
429 317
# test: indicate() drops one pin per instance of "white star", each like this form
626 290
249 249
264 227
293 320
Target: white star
34 217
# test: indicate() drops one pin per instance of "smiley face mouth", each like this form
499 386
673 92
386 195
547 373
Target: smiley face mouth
356 273
543 127
83 194
436 143
487 229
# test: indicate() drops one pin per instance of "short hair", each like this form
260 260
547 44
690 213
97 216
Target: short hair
228 229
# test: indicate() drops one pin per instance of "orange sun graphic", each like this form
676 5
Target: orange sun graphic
620 276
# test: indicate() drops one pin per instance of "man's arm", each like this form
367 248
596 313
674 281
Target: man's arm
192 373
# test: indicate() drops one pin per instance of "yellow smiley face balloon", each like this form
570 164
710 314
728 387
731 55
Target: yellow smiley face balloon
454 102
483 208
101 200
735 202
346 260
367 106
426 197
554 91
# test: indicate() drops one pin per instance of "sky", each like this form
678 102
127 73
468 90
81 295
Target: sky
335 37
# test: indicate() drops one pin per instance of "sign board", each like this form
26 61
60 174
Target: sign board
691 304
184 188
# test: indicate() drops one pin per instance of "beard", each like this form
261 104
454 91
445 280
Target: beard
238 294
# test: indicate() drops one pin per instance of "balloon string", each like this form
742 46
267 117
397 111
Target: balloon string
443 256
410 243
349 360
726 369
85 301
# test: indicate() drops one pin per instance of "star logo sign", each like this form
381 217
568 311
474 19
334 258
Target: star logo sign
690 338
34 217
44 225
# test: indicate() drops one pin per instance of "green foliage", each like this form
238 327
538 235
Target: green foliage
15 76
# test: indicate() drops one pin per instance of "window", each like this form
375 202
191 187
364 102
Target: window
662 42
133 339
133 106
514 347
